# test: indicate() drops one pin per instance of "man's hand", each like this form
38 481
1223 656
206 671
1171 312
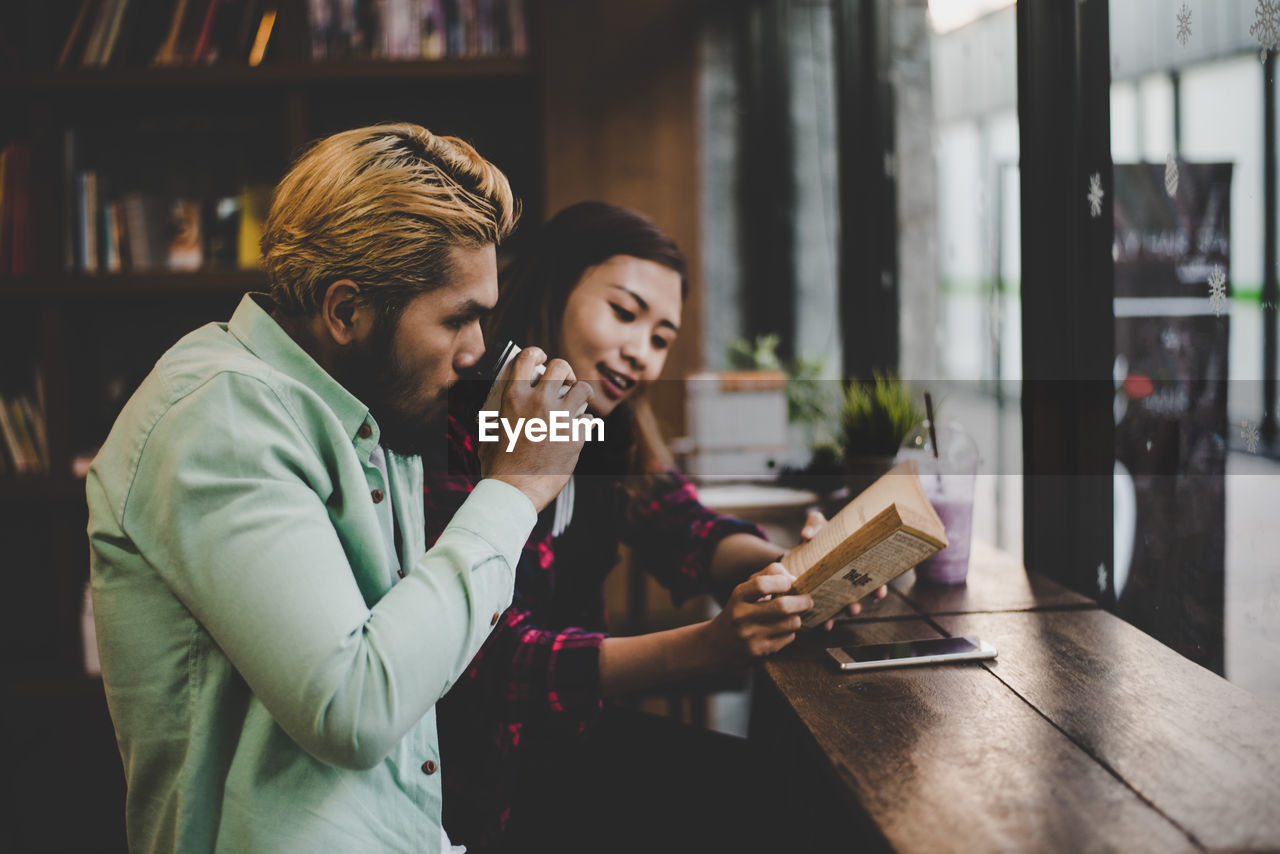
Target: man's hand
539 470
812 524
759 618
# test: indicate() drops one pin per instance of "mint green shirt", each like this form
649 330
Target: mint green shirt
271 681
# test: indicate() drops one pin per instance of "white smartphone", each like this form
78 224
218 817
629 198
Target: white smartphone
909 653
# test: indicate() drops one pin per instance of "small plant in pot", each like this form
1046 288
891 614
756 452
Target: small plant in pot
874 419
812 404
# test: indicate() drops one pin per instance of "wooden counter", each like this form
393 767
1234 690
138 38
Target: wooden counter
1085 734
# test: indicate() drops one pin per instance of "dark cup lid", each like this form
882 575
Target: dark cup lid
491 362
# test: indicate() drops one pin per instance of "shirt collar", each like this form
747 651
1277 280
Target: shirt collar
254 327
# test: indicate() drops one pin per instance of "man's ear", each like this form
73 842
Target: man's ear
342 314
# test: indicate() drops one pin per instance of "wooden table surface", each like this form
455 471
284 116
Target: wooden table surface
1085 734
999 582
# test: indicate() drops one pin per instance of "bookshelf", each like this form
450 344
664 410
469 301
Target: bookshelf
86 337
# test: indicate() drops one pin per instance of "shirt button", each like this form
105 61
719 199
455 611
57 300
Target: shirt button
365 431
377 495
429 767
493 621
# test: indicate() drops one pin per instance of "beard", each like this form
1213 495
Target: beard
370 370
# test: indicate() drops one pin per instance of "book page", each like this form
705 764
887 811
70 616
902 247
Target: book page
829 536
870 570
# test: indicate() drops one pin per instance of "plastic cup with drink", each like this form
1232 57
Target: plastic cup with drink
947 459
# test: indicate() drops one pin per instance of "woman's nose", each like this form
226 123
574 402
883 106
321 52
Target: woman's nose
636 352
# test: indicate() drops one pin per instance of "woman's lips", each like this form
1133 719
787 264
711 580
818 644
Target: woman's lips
612 389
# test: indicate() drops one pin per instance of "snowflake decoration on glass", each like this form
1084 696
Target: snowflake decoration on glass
1266 27
1171 175
1184 25
1096 193
1249 434
1218 290
1102 578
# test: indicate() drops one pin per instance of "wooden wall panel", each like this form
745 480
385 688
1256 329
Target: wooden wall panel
619 91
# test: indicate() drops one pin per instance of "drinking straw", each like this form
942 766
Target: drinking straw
933 435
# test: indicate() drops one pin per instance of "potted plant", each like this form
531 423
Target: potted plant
737 419
812 404
874 419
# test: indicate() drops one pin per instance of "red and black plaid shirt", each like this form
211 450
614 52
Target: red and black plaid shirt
536 680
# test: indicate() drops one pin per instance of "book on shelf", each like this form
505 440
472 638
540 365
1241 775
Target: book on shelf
320 18
185 250
70 167
142 30
255 200
223 42
139 231
137 33
81 26
6 202
142 232
15 209
883 532
470 28
112 259
33 414
433 24
204 39
168 51
16 459
167 33
416 29
87 218
97 32
22 429
262 37
119 10
89 634
222 232
190 38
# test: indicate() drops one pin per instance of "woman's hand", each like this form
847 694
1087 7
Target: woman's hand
813 523
759 618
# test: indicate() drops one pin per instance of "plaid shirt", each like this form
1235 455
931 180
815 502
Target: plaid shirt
536 680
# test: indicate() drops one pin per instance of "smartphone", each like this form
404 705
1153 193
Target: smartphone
908 653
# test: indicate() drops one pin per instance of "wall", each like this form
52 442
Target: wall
620 99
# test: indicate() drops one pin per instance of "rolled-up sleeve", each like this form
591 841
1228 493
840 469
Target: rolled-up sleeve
542 675
674 536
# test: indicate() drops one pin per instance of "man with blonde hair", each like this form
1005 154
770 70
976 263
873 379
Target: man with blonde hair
273 632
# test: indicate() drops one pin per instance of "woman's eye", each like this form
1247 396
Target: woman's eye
660 343
623 315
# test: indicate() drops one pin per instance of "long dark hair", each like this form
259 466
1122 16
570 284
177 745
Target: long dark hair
535 287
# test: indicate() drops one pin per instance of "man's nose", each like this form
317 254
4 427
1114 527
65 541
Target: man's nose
471 350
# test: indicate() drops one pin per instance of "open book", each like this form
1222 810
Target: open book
879 535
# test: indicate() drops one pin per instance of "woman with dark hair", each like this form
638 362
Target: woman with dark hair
536 747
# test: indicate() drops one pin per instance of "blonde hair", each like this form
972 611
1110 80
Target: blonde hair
382 206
